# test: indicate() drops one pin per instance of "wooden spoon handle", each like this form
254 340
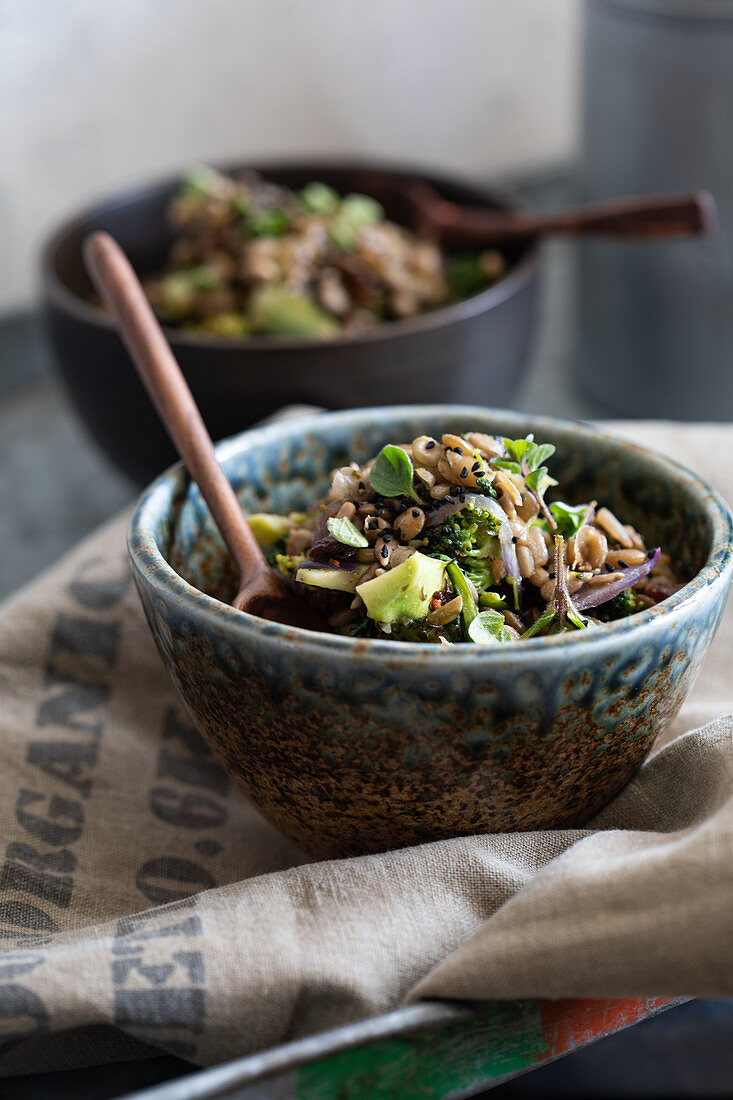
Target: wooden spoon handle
661 217
121 290
644 218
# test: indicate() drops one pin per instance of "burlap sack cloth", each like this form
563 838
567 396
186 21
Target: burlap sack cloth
144 901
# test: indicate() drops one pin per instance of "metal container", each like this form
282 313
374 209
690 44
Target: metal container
656 319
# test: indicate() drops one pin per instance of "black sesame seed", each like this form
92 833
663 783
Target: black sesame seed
476 466
585 622
462 498
429 445
416 512
384 552
623 564
515 539
609 568
464 472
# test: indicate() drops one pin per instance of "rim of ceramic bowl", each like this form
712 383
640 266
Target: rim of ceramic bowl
150 563
518 275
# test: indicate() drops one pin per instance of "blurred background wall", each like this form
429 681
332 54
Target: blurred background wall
95 94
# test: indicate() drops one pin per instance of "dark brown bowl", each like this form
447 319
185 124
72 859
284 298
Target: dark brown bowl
473 351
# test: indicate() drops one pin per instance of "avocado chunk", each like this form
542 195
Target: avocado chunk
274 309
405 591
338 580
268 529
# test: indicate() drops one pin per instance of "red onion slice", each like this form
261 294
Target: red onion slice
342 567
323 545
593 595
483 504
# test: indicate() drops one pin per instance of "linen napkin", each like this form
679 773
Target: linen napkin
145 904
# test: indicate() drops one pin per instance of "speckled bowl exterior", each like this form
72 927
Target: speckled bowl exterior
351 745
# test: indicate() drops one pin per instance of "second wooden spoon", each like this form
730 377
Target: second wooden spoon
642 217
262 591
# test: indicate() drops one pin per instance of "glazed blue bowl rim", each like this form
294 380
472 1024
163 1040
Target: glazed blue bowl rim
153 568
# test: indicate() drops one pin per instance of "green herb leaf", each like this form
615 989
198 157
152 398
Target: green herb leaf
544 621
343 235
240 205
574 617
343 531
357 629
569 519
538 454
360 210
391 474
465 275
488 628
517 448
354 212
201 182
507 464
273 223
319 198
525 452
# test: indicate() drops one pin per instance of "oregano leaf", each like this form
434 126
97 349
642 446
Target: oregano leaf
391 474
569 518
343 530
488 628
538 454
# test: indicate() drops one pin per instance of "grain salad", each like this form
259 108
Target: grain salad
253 257
450 540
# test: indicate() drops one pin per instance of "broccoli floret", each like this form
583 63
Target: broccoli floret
288 564
450 540
626 603
469 538
201 183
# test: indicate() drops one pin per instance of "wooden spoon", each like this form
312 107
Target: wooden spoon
660 217
647 217
261 590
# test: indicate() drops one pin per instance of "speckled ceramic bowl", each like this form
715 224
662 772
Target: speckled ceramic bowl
351 745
